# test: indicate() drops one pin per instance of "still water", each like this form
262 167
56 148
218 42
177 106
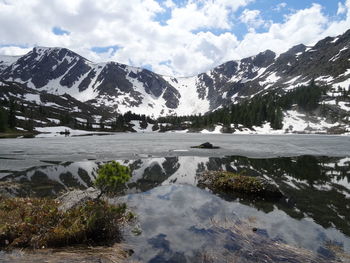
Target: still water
179 222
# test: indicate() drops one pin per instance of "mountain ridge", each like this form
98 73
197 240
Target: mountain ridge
122 87
114 88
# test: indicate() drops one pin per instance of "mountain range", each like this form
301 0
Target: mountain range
60 78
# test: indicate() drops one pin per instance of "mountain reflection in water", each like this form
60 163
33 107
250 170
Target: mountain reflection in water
175 215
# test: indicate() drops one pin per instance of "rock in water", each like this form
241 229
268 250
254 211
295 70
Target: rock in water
206 145
230 183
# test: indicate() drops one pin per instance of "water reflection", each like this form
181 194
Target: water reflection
182 223
51 180
316 207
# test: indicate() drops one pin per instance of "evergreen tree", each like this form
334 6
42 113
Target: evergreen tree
143 124
278 118
65 119
42 111
102 126
3 120
323 109
120 123
155 127
88 125
12 121
29 125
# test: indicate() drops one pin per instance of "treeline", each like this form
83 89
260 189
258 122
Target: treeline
255 111
10 108
306 97
251 112
122 121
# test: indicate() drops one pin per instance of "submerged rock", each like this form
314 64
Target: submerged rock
227 182
206 145
244 245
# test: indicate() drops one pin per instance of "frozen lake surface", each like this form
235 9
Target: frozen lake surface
25 153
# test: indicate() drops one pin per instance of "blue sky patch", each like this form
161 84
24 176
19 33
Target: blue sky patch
147 66
59 31
105 49
270 10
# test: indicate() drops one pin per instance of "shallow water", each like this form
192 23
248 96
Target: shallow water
179 222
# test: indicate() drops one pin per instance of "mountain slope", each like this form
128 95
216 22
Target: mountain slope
59 71
122 88
39 109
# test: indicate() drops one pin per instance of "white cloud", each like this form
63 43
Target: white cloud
14 51
280 6
252 18
305 26
205 14
341 9
183 44
169 4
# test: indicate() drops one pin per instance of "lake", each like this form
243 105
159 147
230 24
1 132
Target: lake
179 222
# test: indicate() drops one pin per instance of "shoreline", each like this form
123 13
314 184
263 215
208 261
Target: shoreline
23 134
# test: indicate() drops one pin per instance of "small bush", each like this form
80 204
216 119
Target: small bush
111 177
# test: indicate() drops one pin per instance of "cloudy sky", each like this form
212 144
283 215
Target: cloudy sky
172 37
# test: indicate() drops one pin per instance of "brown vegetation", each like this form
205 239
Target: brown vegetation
38 223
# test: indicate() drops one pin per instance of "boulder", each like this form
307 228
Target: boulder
75 198
206 145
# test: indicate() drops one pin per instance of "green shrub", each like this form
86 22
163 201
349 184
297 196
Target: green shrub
111 177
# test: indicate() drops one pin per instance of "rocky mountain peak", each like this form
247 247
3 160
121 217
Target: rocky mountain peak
121 87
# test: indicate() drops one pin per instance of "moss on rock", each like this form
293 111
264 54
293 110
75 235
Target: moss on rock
227 182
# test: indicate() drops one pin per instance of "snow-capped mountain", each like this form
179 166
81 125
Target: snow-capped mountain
59 71
6 61
123 88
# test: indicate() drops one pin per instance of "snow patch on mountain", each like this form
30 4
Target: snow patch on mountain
136 125
33 97
216 130
190 103
6 61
